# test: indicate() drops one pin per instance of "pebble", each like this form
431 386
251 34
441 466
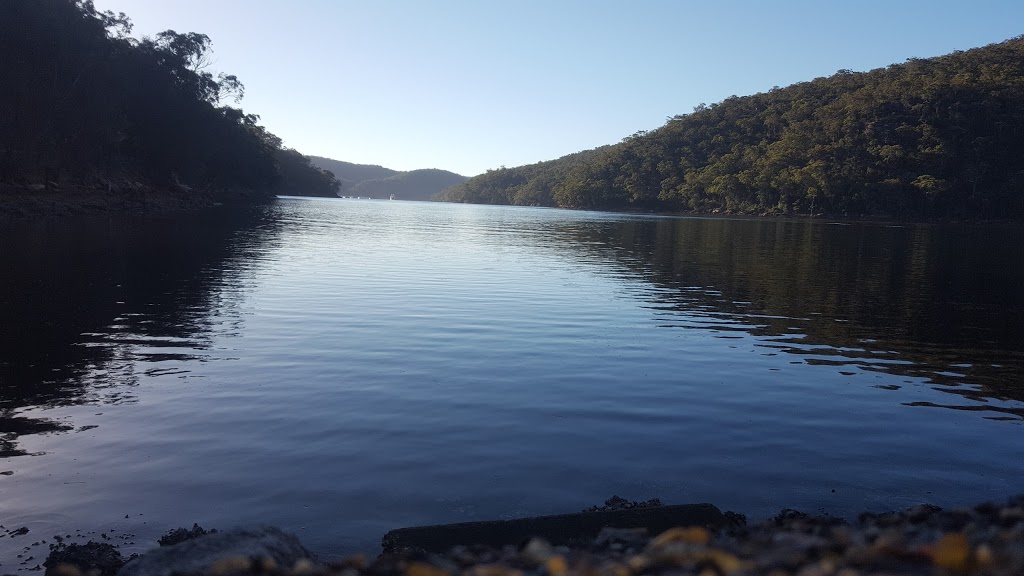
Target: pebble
952 552
537 551
556 566
424 569
692 534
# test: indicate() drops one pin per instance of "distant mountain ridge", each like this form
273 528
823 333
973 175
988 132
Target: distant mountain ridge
370 180
349 173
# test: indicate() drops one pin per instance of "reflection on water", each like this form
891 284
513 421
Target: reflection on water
84 302
941 303
344 367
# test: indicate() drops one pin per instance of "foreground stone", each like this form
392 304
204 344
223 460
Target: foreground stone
567 529
96 558
222 552
986 540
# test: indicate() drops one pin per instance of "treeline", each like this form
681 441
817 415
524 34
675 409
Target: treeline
86 104
930 138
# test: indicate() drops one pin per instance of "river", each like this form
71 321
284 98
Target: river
343 367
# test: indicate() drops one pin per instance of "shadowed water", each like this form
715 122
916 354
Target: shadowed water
343 367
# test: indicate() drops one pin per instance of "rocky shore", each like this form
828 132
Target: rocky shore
60 201
987 539
121 196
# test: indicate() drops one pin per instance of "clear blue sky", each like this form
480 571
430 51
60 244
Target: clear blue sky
468 85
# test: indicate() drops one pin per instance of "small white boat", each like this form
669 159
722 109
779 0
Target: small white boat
392 197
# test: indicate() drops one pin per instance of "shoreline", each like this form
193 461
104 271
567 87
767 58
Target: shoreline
987 539
19 202
730 215
75 200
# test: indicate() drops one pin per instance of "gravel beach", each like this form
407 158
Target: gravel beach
987 539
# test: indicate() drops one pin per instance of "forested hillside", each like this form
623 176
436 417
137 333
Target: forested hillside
372 181
413 185
349 173
88 108
930 138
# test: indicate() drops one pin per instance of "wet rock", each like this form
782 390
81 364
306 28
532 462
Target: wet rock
921 512
221 549
625 536
66 559
179 535
619 503
788 515
888 519
915 542
735 519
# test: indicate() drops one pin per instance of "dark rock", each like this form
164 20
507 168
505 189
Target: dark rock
921 512
199 554
788 515
179 535
627 536
887 519
987 509
86 557
735 519
618 503
955 520
578 529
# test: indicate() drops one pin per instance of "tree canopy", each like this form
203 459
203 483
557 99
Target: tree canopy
86 103
930 138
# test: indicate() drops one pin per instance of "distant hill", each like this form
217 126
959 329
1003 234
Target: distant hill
929 138
378 182
414 185
350 173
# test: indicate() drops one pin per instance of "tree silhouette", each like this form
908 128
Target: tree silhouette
86 104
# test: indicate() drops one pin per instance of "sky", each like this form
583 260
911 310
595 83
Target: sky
472 85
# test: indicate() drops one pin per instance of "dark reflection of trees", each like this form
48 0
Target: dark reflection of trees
944 303
77 295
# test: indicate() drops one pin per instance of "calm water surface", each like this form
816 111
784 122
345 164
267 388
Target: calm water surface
343 367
